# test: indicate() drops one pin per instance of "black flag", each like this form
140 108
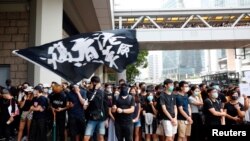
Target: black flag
78 56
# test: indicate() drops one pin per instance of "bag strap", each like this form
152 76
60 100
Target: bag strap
93 96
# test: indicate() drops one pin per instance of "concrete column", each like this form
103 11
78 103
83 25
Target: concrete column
99 72
48 28
121 75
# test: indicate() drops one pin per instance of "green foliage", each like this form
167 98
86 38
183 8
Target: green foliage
132 69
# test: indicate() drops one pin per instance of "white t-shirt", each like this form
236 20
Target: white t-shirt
247 114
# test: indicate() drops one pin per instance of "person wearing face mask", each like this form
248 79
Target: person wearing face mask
123 107
212 109
234 110
149 116
136 114
196 103
184 116
221 96
168 111
97 110
111 120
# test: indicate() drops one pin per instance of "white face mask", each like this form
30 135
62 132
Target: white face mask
214 95
109 90
186 89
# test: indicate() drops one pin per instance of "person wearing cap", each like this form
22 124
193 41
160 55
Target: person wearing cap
123 107
7 117
168 111
38 123
26 115
97 110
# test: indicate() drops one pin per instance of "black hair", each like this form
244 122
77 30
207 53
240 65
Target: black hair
157 87
95 79
167 81
210 89
142 83
122 80
201 85
182 83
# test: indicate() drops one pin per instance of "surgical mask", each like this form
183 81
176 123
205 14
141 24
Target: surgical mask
49 91
234 97
150 98
196 93
214 95
109 90
171 88
186 89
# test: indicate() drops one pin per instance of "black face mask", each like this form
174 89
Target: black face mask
234 97
124 91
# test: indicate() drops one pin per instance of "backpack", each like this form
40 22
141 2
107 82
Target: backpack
129 98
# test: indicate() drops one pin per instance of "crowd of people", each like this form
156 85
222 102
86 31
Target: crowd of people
107 112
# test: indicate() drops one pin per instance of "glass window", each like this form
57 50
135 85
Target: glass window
4 74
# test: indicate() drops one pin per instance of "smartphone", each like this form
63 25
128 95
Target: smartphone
186 122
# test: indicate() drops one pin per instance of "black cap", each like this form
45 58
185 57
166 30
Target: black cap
39 88
167 81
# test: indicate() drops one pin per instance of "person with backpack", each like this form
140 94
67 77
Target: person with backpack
39 109
123 107
97 110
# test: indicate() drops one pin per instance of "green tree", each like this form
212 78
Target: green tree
132 70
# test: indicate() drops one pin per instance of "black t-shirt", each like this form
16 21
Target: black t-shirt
232 111
182 100
77 109
124 118
210 119
43 102
222 98
4 104
27 104
59 101
99 102
170 102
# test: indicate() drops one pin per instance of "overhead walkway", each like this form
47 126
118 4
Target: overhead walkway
188 29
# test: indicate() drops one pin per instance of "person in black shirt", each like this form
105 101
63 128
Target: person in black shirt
123 106
234 109
26 116
7 117
76 99
168 111
97 110
38 123
58 104
212 109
